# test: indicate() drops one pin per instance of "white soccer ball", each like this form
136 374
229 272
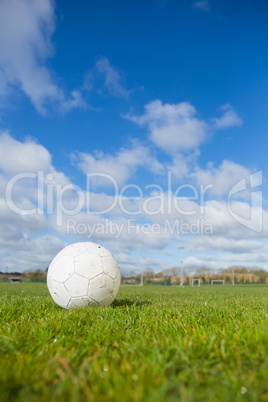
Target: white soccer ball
83 274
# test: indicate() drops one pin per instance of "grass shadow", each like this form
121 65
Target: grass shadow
129 303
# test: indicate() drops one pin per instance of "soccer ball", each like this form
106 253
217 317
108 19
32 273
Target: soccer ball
83 274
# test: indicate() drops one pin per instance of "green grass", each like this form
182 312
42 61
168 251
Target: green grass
153 344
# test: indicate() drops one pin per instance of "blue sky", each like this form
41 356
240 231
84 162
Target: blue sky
144 93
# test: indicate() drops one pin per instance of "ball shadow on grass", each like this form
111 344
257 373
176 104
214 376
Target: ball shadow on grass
129 302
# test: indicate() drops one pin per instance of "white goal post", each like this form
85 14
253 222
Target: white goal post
218 281
198 280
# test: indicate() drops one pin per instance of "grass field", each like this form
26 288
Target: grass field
153 344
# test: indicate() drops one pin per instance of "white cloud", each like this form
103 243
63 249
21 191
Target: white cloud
200 213
29 254
243 259
222 178
24 234
172 127
223 261
17 157
26 27
112 78
179 167
229 118
209 243
23 244
175 128
75 101
201 5
120 166
182 165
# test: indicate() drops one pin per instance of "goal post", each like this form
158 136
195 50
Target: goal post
218 281
198 280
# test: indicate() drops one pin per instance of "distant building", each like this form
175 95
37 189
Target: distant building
14 280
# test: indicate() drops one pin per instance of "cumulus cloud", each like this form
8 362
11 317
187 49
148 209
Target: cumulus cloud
29 254
23 222
120 166
224 261
221 179
76 100
209 243
182 165
128 229
229 118
112 78
28 156
26 27
172 127
176 128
